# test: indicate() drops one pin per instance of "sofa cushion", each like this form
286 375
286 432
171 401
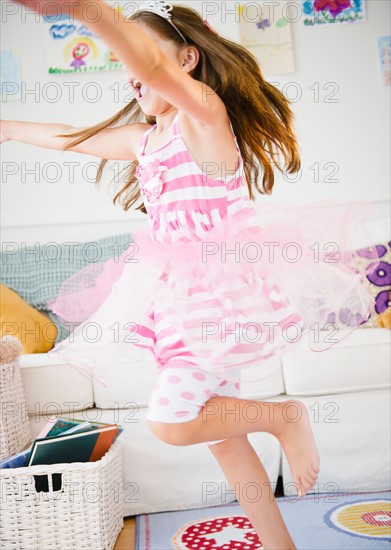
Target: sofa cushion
357 362
263 380
350 431
52 387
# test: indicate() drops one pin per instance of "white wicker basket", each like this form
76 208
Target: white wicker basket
15 432
85 511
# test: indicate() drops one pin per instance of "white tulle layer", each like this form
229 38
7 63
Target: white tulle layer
230 300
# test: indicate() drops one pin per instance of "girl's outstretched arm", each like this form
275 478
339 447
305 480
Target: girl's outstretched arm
144 60
114 143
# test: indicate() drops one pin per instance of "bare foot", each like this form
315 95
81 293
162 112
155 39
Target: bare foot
296 438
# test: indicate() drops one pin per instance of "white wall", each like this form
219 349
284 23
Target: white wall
352 133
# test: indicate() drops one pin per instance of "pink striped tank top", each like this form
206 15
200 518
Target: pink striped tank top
184 202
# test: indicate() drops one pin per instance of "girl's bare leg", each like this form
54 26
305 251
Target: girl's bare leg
230 417
259 503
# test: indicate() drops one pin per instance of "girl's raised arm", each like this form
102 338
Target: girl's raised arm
114 143
144 60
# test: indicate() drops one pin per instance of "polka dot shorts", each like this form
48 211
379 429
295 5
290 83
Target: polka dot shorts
180 393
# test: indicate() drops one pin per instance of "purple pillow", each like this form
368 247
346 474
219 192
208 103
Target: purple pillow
379 281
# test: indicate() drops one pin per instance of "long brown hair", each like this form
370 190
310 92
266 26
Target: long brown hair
260 114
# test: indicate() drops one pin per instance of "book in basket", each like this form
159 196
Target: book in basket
88 446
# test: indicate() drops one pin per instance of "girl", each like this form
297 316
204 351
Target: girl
196 288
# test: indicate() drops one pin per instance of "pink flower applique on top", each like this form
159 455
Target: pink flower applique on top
150 180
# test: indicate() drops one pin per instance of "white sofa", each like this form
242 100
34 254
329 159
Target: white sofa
346 390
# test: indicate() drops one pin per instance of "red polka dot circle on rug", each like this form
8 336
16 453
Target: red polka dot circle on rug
218 533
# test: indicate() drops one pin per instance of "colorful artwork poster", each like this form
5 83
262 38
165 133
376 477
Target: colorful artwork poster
10 79
322 12
73 48
266 32
384 46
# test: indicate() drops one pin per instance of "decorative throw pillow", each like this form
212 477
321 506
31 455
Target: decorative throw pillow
378 282
36 272
36 332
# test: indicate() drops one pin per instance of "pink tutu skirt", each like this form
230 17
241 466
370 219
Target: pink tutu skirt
232 300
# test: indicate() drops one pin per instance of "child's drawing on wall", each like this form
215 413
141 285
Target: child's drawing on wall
78 50
321 12
74 48
10 77
265 30
384 45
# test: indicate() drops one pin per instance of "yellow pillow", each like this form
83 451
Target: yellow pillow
36 332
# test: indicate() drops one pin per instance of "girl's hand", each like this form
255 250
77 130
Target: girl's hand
3 135
50 7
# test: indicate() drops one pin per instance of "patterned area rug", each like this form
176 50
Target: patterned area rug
321 521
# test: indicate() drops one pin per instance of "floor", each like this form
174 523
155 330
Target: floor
127 538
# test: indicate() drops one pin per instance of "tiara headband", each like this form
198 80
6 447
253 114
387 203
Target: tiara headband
162 8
